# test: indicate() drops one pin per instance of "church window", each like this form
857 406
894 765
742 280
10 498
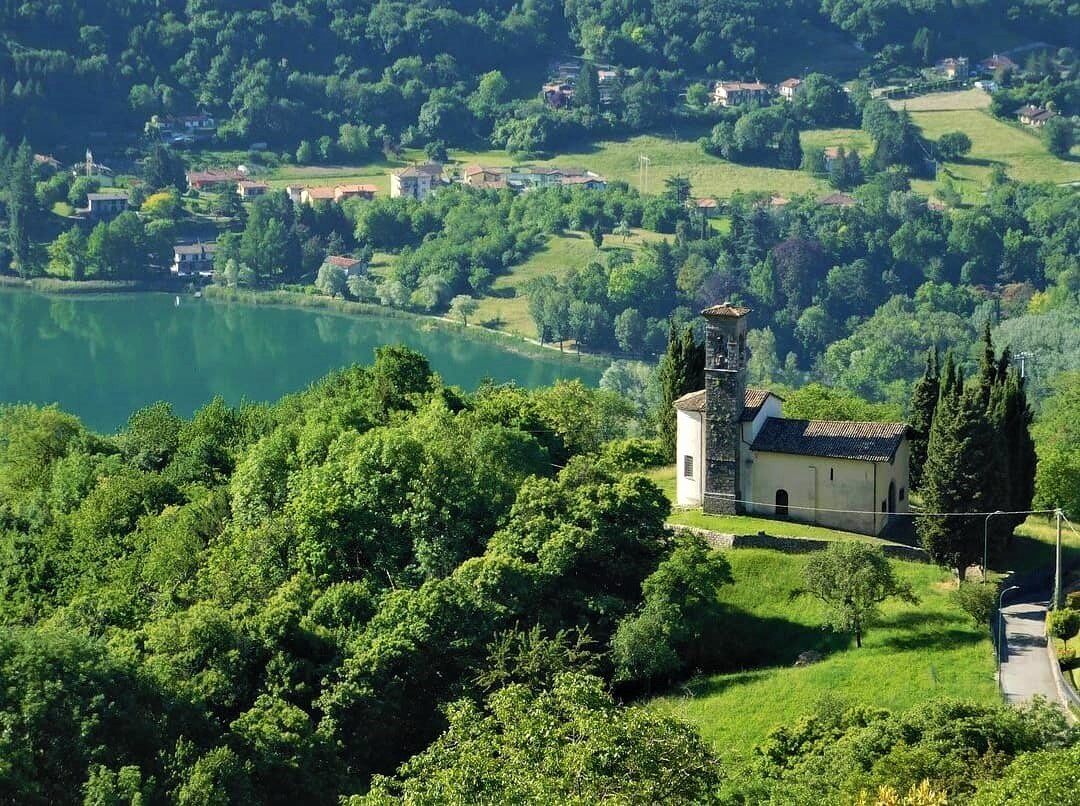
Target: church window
688 466
830 474
902 493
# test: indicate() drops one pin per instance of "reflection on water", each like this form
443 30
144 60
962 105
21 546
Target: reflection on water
101 357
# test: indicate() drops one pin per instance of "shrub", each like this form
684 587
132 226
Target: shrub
976 599
1063 624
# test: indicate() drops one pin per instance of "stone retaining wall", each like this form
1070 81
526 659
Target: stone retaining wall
788 545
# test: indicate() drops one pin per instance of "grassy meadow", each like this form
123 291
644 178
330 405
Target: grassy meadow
915 652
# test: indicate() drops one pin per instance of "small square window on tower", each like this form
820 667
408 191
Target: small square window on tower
688 466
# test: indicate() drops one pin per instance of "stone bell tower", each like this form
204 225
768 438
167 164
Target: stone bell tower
725 390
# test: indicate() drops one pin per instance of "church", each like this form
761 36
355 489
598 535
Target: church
737 454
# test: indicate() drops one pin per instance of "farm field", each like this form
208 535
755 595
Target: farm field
915 652
1019 151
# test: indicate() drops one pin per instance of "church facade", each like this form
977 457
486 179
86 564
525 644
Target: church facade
737 454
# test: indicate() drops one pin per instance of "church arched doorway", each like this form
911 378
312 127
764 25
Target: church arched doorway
892 497
781 503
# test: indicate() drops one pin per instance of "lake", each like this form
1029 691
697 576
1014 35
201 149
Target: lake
101 357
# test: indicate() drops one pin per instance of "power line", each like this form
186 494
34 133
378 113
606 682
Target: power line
901 514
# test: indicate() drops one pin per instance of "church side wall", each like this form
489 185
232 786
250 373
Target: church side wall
689 441
815 484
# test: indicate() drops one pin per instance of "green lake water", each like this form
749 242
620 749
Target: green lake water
101 357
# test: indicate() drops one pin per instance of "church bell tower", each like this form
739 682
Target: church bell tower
725 391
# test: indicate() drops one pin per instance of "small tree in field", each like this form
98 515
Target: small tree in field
852 579
977 600
462 307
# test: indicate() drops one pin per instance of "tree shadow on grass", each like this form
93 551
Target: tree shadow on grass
935 631
746 641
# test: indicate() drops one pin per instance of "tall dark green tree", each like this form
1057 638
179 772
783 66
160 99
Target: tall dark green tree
587 90
20 208
682 370
954 476
789 153
924 399
164 168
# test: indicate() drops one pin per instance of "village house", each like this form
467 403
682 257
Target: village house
736 93
350 265
789 88
838 199
193 259
1035 116
953 67
608 83
708 207
831 154
416 181
365 192
588 180
249 189
990 66
295 193
204 180
557 94
106 205
737 454
481 176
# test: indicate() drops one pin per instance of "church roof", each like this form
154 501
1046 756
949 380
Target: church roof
868 442
753 400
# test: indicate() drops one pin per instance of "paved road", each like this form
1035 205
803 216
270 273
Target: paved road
1025 663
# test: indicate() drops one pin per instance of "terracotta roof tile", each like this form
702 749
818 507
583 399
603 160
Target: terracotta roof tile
725 309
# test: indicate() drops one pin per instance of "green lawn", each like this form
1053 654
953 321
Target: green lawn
994 142
916 652
507 306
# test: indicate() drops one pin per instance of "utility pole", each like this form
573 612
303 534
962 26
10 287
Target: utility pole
1057 563
643 174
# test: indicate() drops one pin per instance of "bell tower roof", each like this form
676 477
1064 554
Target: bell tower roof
727 310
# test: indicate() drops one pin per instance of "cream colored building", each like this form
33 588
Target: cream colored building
844 475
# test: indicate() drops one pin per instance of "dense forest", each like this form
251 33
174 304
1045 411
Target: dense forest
425 72
385 588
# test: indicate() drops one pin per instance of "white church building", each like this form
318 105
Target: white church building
737 453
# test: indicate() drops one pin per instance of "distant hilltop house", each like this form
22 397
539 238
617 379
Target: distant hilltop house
953 67
249 189
106 205
1035 116
736 453
416 181
47 160
995 63
736 93
182 128
480 176
193 259
789 88
337 193
558 91
204 180
557 94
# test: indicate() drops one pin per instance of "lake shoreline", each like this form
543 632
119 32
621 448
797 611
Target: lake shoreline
58 286
344 307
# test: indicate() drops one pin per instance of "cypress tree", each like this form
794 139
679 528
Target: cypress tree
682 370
988 367
789 153
587 90
671 384
924 398
954 478
1016 424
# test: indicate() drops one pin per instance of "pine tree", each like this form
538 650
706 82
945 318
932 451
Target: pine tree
924 398
789 153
